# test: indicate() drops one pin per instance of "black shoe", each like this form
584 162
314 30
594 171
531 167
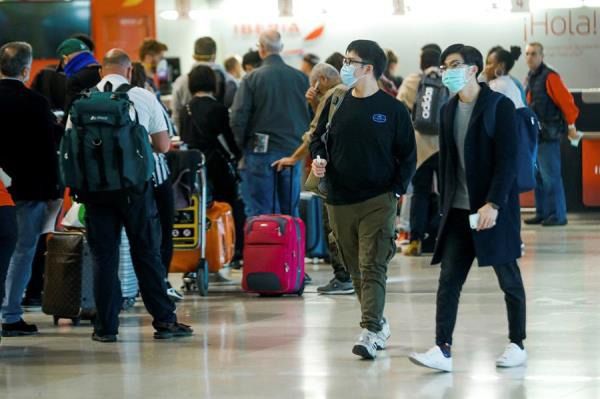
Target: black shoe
307 279
31 304
171 330
104 338
552 221
534 220
18 329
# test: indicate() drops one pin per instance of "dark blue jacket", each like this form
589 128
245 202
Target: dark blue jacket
491 169
271 100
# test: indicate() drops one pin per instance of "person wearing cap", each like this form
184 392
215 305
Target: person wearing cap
308 63
205 53
80 66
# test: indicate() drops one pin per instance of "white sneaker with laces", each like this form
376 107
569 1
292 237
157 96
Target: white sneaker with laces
513 356
366 346
383 335
434 359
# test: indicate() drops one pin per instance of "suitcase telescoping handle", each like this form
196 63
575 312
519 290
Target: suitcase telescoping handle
276 182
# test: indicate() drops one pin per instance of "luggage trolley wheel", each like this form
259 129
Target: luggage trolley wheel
202 277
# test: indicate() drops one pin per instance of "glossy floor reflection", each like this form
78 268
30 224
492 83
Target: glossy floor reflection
248 347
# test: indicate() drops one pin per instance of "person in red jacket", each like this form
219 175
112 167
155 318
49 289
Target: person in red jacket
549 98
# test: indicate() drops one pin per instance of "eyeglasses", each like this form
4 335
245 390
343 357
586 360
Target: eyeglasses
454 65
348 61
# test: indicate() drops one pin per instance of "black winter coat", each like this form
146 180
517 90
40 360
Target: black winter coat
28 142
491 169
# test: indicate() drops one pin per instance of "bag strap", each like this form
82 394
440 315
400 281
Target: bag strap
124 88
336 101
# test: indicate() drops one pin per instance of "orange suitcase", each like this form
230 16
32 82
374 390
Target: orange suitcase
220 236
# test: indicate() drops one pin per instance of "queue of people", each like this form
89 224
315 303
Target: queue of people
372 138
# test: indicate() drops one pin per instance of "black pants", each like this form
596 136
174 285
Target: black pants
457 257
139 215
8 241
165 203
424 210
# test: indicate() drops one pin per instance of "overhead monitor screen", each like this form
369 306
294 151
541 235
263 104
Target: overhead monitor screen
43 24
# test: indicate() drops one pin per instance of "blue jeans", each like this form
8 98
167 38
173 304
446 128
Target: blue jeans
258 185
549 191
30 221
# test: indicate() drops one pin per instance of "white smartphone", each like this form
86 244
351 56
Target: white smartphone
474 221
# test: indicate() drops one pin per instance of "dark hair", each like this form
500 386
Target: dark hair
312 59
336 60
202 78
470 55
431 46
251 58
370 52
138 75
430 58
205 46
508 58
85 39
15 56
151 46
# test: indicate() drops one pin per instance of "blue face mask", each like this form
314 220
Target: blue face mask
347 75
455 79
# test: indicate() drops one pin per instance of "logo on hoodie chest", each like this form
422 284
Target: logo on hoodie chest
379 118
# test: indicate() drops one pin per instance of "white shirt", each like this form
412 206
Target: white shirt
149 110
505 85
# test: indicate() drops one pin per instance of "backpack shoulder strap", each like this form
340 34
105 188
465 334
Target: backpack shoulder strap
336 100
124 88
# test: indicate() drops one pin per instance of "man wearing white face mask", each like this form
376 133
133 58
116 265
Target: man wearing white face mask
480 204
368 156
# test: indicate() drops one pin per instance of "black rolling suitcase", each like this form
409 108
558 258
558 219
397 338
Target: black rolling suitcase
311 212
69 278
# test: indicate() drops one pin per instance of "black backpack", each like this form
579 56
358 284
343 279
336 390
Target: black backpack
431 96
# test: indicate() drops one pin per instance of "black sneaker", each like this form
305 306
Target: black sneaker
534 220
171 330
552 221
307 279
18 329
31 304
336 287
104 338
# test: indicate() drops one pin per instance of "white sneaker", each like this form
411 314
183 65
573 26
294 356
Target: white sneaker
513 356
383 335
174 295
366 346
434 359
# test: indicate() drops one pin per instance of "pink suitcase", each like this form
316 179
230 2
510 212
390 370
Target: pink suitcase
274 250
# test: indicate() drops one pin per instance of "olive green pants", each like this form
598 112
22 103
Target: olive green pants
365 236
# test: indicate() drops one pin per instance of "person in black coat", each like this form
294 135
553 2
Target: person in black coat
28 156
480 203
